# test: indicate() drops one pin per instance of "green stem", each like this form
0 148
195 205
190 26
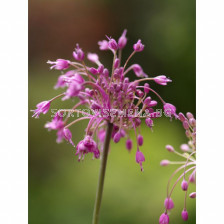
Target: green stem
103 165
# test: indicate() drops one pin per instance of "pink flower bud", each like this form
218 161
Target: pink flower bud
192 195
192 178
105 72
100 69
169 109
153 103
168 204
147 101
93 57
117 137
68 135
140 140
138 71
129 144
184 185
122 40
164 162
184 215
104 45
189 115
59 64
94 71
192 122
138 46
139 157
149 122
182 117
112 44
162 80
146 88
170 148
78 54
164 219
185 147
185 125
116 63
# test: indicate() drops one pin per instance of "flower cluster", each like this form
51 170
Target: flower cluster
187 167
101 90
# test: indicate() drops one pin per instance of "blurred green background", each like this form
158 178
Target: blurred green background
62 190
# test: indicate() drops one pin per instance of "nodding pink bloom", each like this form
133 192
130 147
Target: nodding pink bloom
122 40
42 107
192 122
129 144
184 215
139 71
56 123
169 110
147 101
140 140
68 135
164 162
185 147
59 64
139 157
73 90
192 195
168 204
149 122
189 115
78 54
192 178
186 125
104 45
117 137
100 69
184 185
170 148
93 57
182 117
138 46
164 219
153 103
61 83
87 145
112 44
162 80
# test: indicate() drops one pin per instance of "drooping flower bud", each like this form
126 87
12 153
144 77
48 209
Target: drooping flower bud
184 185
189 115
129 144
117 137
164 219
162 80
140 140
138 71
138 46
94 71
182 117
116 63
185 125
147 101
192 195
112 44
139 157
185 147
149 122
192 122
68 135
170 148
164 162
168 204
184 215
169 110
122 40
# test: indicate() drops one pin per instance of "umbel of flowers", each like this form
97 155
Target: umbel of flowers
116 104
186 169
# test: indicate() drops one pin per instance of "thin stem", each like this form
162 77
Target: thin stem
103 164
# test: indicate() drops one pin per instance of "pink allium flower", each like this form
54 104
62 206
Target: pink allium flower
184 185
140 158
59 64
162 80
106 95
42 107
184 215
170 148
138 46
164 219
168 204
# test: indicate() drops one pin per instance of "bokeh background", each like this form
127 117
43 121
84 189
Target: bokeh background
61 190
